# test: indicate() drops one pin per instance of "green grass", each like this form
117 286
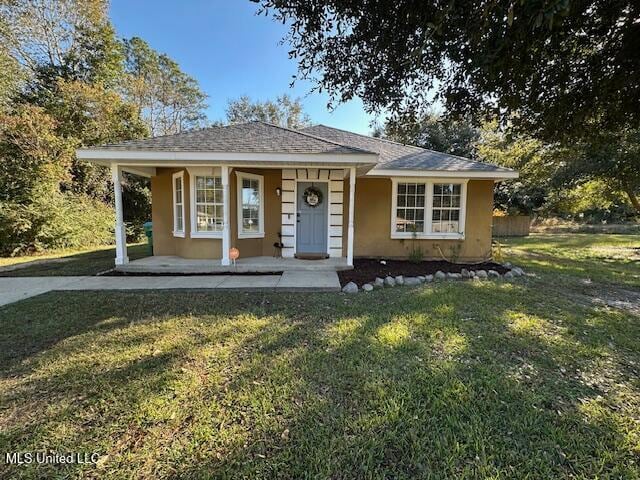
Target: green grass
69 262
457 380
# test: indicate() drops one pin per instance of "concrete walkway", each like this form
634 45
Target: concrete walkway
18 288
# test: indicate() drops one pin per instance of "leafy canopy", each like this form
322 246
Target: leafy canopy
556 65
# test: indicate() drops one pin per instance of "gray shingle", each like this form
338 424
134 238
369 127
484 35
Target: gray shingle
396 156
251 137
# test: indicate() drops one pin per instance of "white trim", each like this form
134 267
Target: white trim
120 229
177 232
239 177
295 209
350 228
193 174
295 158
226 217
460 174
428 210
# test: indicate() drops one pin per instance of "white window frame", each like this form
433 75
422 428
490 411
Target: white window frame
428 208
176 231
194 173
250 176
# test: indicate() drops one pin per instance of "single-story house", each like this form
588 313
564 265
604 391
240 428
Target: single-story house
320 192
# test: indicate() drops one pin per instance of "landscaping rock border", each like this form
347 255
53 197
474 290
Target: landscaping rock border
439 276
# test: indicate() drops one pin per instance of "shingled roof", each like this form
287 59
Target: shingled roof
250 137
259 137
397 156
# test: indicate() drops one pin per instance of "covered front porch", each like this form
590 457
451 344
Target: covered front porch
203 217
170 264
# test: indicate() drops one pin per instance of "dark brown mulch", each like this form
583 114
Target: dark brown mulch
365 270
116 273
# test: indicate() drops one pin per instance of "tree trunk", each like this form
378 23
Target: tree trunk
633 198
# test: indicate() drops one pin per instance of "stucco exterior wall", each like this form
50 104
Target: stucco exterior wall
372 221
373 224
254 247
164 243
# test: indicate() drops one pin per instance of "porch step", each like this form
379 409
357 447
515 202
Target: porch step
184 266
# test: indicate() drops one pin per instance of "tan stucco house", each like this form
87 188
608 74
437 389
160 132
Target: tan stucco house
319 191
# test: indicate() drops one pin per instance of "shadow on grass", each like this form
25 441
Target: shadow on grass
456 380
86 263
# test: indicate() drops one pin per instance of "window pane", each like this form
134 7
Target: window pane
250 205
410 200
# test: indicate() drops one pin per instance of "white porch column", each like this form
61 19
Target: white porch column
121 233
226 226
352 196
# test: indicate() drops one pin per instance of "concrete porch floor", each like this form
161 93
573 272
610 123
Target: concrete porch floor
179 265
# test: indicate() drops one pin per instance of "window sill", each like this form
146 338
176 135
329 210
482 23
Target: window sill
206 234
250 235
428 236
178 234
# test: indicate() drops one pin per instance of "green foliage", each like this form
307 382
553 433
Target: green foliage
66 81
58 220
284 111
34 159
435 132
416 255
555 65
136 199
169 100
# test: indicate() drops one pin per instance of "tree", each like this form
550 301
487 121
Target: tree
548 67
48 32
435 132
284 111
169 100
33 158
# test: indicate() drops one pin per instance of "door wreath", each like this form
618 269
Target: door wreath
312 196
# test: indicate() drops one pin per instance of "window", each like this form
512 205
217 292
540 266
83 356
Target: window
178 204
250 205
208 204
427 209
410 199
445 216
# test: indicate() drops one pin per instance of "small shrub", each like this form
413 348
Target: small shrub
416 255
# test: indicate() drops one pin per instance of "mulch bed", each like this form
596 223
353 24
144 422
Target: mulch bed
116 273
365 270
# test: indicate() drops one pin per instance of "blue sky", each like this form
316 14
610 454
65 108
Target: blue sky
230 51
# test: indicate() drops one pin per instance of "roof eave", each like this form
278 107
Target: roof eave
102 156
474 174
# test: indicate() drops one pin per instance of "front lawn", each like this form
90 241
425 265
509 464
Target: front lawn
532 379
68 262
